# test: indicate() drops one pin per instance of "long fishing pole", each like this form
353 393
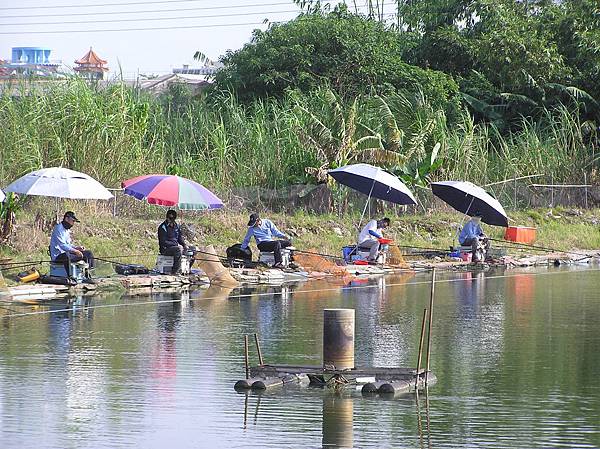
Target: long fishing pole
329 256
540 248
423 248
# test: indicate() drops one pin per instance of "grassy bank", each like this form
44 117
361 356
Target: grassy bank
111 236
118 132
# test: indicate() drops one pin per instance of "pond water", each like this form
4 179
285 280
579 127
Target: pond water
516 354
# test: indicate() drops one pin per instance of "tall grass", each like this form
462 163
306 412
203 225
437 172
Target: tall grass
117 132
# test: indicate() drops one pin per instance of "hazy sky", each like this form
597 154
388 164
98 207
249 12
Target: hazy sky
26 23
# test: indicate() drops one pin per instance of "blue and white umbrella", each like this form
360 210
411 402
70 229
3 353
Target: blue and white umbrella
2 196
374 182
470 199
60 182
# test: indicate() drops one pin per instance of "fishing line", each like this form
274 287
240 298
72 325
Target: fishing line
540 248
299 292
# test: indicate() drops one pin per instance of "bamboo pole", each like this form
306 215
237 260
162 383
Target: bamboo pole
260 359
512 179
246 361
586 188
429 325
420 348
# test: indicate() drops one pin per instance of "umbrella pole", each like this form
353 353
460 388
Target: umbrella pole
368 198
365 208
464 219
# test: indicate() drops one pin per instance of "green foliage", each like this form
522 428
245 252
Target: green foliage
117 132
351 54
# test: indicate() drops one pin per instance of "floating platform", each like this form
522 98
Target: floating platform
371 380
38 293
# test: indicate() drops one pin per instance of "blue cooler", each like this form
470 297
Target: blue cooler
347 251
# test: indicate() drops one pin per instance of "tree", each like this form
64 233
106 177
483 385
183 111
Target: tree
349 53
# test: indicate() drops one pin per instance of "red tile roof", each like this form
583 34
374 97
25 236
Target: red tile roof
91 59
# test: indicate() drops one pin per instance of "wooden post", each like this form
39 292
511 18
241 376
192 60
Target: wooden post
260 359
552 192
515 187
246 361
429 325
420 348
245 409
586 188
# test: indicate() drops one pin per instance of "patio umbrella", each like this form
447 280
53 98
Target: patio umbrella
171 190
470 199
59 182
374 182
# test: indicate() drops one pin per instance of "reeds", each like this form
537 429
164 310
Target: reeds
117 132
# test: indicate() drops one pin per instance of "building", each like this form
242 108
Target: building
91 66
208 70
161 84
30 61
31 55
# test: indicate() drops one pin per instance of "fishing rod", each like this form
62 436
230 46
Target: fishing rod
329 256
540 248
423 248
17 265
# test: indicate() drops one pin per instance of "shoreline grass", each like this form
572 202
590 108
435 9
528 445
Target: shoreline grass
117 132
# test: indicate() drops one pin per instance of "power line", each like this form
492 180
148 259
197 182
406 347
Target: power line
255 5
103 4
148 19
222 25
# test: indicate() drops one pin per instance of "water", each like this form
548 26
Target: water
515 352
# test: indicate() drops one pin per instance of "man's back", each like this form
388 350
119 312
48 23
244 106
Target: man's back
469 231
58 240
365 234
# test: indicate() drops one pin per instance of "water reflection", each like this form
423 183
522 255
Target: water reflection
469 289
515 359
338 421
163 364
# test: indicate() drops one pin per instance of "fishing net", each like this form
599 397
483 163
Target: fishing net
312 262
214 269
395 258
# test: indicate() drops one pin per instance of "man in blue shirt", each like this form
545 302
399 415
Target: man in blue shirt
472 235
263 231
61 244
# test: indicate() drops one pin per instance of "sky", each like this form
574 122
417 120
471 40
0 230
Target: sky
211 26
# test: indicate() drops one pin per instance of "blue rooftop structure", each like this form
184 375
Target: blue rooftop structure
31 55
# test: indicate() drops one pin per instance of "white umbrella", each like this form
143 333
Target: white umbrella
60 182
2 196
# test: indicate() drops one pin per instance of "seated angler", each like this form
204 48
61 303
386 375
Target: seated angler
62 249
263 231
370 235
472 235
170 240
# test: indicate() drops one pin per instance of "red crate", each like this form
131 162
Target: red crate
520 234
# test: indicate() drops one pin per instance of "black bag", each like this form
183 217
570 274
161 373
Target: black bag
130 269
236 252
